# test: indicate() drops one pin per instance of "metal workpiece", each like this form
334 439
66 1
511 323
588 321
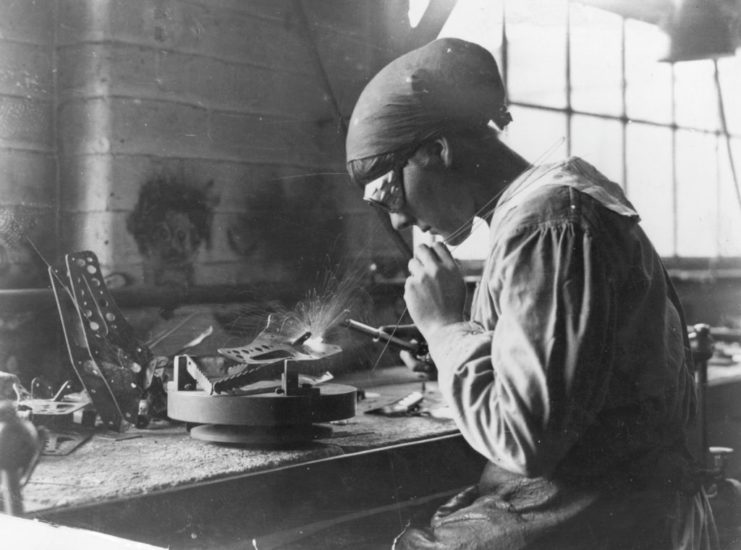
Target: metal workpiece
278 342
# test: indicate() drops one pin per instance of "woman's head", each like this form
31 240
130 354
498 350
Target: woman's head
448 87
422 138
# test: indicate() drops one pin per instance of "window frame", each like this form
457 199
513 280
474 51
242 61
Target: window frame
687 267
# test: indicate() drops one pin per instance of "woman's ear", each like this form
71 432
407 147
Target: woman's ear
436 152
444 151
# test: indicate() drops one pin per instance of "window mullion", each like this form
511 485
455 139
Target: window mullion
569 109
623 105
675 198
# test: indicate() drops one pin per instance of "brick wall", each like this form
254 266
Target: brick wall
99 98
221 96
28 187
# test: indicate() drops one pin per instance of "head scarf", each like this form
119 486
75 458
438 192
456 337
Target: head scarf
447 84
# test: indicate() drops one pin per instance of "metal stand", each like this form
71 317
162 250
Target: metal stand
724 493
110 363
702 351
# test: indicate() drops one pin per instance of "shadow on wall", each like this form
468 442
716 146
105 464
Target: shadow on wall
295 227
169 223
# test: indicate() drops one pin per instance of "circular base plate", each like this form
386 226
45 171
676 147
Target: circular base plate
333 402
273 436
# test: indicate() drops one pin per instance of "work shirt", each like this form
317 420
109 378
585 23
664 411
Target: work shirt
574 366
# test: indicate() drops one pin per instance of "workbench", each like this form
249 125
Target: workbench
354 489
165 488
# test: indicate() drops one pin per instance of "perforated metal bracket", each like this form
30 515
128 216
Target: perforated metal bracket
108 360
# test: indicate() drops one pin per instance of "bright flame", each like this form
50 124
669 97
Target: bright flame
314 342
323 309
326 307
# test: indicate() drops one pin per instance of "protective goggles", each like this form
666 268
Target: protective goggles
387 192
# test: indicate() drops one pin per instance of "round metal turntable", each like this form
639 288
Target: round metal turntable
270 412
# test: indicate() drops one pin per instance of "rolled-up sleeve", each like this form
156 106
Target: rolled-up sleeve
523 392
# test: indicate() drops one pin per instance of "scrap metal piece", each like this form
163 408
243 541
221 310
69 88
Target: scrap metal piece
47 407
408 404
63 442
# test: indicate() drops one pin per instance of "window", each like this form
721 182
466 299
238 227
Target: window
586 82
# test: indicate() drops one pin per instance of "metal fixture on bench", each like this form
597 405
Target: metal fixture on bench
112 365
259 398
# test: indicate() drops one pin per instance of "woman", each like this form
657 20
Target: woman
572 374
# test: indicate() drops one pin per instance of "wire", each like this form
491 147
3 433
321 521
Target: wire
726 133
386 345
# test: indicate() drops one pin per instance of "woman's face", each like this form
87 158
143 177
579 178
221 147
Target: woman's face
436 199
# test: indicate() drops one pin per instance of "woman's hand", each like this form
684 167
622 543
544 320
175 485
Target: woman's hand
435 292
423 365
414 362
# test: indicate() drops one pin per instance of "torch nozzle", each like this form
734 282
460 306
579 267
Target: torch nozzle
416 348
301 339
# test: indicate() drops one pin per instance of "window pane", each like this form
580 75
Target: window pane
729 226
478 21
730 84
696 194
649 82
649 182
599 142
536 34
536 134
697 101
596 66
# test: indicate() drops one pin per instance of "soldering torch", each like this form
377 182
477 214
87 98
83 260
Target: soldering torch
418 349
